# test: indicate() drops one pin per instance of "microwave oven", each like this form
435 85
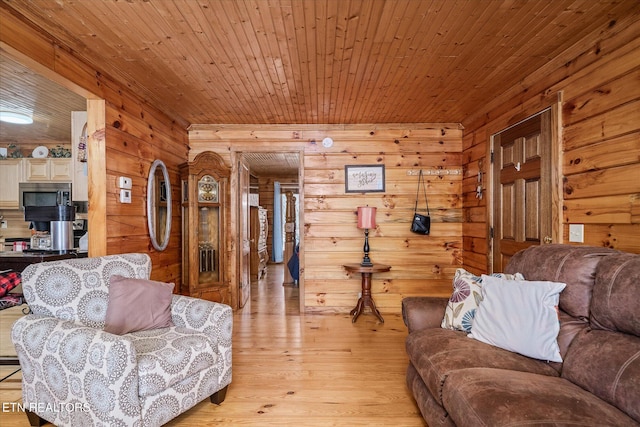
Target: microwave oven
44 194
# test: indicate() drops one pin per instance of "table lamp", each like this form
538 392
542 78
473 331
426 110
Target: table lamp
366 220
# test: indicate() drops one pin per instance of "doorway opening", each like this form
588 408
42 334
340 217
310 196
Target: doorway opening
52 141
289 203
276 189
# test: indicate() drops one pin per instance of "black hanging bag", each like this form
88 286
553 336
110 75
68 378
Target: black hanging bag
421 224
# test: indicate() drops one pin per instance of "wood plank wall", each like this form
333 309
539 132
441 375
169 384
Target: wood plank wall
136 134
421 265
598 81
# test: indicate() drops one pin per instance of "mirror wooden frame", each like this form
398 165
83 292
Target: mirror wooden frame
152 207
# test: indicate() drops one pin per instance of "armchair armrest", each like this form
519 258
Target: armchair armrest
423 312
212 318
63 361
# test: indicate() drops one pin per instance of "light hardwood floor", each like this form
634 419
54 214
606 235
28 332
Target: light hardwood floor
299 370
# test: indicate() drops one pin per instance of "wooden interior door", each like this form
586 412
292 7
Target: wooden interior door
244 291
522 188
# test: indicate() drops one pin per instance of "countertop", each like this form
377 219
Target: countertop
18 261
42 254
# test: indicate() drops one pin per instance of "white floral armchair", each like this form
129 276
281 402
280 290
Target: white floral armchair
76 374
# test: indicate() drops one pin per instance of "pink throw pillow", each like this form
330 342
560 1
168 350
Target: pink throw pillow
137 305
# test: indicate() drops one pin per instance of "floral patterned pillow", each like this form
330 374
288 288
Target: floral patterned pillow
465 299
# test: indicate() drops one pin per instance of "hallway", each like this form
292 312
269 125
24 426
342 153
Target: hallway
269 296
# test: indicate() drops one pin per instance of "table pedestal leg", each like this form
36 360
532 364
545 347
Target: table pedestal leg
365 300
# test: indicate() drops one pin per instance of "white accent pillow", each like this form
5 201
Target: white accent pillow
520 316
465 299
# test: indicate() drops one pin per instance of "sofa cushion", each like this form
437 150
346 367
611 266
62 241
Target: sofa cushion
616 295
465 299
437 352
607 364
496 397
520 316
570 327
573 265
170 355
137 305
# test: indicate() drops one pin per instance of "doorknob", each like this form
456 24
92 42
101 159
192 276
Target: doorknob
547 240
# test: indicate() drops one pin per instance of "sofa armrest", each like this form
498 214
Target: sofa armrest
212 318
61 360
423 312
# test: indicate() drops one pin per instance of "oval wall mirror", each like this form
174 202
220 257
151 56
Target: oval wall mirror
159 205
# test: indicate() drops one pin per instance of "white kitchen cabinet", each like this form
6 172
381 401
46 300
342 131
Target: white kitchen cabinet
45 170
36 170
61 170
10 174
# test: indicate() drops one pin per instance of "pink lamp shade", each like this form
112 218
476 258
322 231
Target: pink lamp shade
366 217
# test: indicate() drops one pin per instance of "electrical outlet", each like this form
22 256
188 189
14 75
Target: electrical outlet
576 233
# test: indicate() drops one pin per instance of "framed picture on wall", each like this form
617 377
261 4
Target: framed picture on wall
364 179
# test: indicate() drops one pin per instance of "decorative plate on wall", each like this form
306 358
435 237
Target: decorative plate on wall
40 152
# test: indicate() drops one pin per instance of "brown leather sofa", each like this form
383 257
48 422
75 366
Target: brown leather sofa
457 380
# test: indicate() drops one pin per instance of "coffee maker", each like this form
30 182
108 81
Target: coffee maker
53 227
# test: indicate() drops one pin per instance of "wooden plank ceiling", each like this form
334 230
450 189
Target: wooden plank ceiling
316 61
24 91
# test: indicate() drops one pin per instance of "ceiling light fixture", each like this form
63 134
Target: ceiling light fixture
16 118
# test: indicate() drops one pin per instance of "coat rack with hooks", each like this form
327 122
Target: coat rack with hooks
435 171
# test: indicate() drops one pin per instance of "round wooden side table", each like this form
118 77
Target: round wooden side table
366 299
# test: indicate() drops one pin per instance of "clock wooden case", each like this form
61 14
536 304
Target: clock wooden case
205 208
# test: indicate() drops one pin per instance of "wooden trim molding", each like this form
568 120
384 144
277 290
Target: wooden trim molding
96 142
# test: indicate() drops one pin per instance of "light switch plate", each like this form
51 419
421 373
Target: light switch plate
576 233
125 196
124 182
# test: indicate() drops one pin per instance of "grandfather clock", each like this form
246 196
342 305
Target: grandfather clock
205 208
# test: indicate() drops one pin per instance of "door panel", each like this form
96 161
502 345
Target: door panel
522 209
508 220
531 211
